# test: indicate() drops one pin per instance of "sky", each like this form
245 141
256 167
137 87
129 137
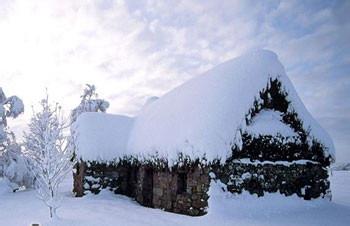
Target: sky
132 50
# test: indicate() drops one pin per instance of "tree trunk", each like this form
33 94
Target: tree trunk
51 212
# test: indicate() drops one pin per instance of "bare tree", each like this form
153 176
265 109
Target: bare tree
48 153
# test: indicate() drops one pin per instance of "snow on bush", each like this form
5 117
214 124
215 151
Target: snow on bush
11 158
15 169
262 124
9 107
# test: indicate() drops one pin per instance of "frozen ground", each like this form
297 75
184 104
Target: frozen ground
23 208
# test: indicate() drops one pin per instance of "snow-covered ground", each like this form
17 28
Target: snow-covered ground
23 208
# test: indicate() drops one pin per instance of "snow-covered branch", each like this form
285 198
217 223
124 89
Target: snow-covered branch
48 153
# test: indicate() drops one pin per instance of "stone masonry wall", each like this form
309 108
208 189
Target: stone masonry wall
192 201
150 186
93 177
78 179
198 182
308 180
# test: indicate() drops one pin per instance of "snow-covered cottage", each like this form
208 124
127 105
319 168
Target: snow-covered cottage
241 123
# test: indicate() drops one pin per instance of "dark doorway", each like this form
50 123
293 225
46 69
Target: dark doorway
131 181
181 183
147 188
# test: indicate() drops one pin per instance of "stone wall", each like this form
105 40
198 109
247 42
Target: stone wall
193 200
308 180
198 182
78 179
144 186
184 189
157 187
289 165
164 189
93 177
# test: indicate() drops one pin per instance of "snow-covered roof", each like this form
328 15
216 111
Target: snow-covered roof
101 136
269 122
203 116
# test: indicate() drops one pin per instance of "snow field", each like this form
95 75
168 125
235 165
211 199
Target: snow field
108 209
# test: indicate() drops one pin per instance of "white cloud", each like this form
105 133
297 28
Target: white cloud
135 49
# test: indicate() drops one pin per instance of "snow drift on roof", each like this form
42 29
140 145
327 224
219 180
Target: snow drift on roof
101 136
269 122
203 116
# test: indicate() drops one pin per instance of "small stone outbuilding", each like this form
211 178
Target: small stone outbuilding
242 123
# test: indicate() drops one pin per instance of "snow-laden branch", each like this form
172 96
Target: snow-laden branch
48 153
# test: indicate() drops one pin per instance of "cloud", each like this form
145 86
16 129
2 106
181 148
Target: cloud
135 49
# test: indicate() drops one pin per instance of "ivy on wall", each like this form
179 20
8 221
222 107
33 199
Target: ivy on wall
276 148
